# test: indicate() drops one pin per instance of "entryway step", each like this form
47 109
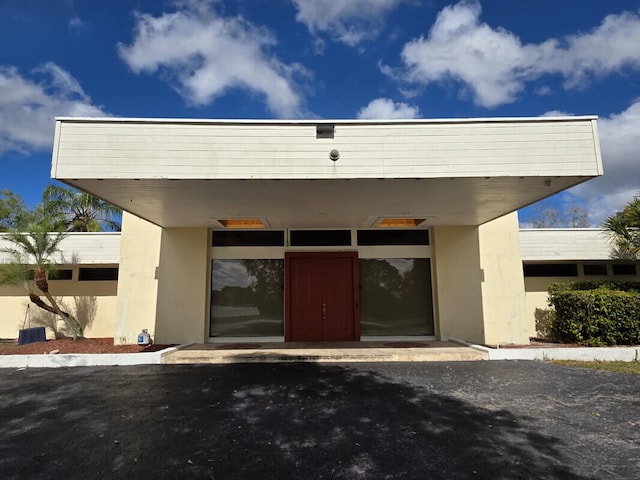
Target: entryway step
211 354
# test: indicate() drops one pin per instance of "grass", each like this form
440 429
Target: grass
620 367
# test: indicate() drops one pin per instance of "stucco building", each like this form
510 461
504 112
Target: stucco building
324 230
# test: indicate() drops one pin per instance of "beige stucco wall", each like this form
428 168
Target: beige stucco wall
536 299
479 282
96 312
182 289
503 282
137 283
457 285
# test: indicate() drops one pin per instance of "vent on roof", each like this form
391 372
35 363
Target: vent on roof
325 130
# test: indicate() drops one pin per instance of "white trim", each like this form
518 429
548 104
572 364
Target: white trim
417 121
583 354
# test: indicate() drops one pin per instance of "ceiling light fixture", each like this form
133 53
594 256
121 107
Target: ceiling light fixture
399 222
242 223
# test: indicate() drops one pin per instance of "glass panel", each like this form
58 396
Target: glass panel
393 237
320 238
624 269
234 238
550 270
98 274
395 296
247 297
595 269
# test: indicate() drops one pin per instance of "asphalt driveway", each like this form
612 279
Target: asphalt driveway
497 420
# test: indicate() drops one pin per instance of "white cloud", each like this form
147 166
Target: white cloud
557 113
494 65
28 107
203 54
384 108
76 23
619 140
348 21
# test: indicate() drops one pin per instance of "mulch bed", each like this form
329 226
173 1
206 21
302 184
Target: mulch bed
82 345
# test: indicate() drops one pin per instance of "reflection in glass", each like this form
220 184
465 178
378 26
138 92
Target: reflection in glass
247 297
395 296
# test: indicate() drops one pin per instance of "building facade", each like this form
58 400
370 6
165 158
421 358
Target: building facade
323 230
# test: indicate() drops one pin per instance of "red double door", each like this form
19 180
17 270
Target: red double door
321 297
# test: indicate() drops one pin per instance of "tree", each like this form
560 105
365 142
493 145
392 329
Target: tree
623 228
32 262
14 213
551 217
74 211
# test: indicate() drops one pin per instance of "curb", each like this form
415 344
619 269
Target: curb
85 359
606 354
583 354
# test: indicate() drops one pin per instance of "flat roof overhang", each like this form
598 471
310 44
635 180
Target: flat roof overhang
190 173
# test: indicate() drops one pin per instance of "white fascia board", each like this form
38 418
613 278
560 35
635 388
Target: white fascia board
415 121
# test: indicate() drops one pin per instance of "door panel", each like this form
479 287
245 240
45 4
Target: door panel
321 297
337 289
306 304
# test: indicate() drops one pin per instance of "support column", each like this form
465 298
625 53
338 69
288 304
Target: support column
503 286
479 282
458 279
137 284
182 286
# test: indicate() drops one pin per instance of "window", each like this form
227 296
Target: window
395 296
65 274
393 237
550 270
624 269
247 298
98 274
320 238
263 238
595 269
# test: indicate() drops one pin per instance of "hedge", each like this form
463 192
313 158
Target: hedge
596 313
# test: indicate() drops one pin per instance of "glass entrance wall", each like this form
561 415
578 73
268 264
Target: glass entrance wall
247 281
395 296
247 297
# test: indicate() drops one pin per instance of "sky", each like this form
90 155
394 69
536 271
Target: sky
322 59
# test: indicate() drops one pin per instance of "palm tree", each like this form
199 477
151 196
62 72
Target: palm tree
35 250
623 228
75 211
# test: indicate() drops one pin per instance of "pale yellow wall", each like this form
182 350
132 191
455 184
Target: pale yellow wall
503 282
97 313
457 286
12 314
91 302
536 301
479 283
137 283
182 289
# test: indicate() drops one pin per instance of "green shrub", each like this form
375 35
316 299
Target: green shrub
596 313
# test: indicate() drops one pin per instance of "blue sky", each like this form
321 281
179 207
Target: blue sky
321 59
